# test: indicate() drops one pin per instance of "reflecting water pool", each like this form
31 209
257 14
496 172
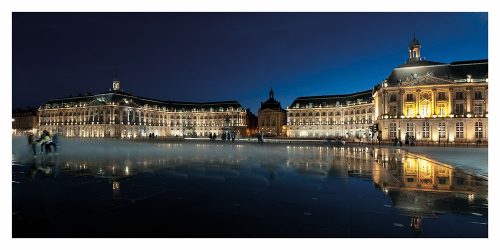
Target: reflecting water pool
112 188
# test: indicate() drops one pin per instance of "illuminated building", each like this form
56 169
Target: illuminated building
271 117
342 116
433 101
24 121
120 114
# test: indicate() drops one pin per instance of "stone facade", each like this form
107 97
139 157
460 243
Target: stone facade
121 115
335 116
272 118
25 121
434 102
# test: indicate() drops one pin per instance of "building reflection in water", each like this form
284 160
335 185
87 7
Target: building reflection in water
116 188
422 188
418 187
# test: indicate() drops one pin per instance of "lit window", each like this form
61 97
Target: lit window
478 130
409 111
392 130
425 108
441 109
459 130
425 130
442 130
478 109
409 129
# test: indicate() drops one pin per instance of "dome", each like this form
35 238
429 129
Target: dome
414 43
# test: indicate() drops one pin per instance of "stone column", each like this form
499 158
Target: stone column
417 102
401 103
450 101
384 103
469 100
433 111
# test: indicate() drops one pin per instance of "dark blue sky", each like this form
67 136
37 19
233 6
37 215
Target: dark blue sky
228 56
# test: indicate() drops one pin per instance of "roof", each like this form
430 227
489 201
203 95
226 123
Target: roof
332 100
271 103
120 96
477 69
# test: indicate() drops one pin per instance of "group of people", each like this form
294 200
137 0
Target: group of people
152 136
227 135
47 142
409 141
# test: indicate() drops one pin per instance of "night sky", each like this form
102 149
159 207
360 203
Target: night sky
228 56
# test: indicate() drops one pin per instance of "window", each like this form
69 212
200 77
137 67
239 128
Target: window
459 109
441 109
425 130
393 98
442 130
459 130
409 98
392 110
443 180
459 95
392 130
409 129
441 96
409 111
478 129
478 95
425 108
478 109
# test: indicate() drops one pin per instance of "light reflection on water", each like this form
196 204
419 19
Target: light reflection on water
416 186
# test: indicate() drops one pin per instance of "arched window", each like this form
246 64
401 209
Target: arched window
425 108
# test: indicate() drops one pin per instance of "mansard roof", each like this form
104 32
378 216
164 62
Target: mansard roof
120 97
332 100
446 72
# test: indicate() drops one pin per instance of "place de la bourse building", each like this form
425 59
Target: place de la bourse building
121 115
432 101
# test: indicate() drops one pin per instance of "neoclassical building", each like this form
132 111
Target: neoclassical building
341 116
121 115
272 117
25 121
433 101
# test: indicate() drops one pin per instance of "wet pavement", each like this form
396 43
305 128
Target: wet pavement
112 188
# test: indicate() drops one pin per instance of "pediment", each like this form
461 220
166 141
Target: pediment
96 102
128 102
